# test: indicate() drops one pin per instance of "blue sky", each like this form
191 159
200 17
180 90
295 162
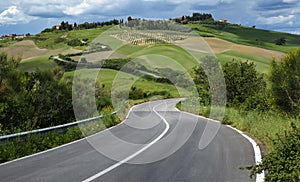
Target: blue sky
32 16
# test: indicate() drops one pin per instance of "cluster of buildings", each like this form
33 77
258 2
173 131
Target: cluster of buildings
13 36
224 21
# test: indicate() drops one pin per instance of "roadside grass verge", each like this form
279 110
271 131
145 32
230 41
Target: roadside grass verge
34 143
261 126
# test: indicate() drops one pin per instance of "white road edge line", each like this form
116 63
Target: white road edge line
259 177
257 153
202 117
134 154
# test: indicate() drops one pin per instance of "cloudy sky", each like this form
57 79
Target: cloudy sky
32 16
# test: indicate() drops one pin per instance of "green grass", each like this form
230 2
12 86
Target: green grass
41 63
36 143
107 77
58 39
39 142
262 63
89 34
261 126
48 40
161 56
5 42
249 36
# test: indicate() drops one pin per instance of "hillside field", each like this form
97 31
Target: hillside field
232 42
248 36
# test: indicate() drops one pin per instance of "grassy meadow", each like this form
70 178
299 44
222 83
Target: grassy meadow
248 36
112 78
161 56
41 63
57 39
262 63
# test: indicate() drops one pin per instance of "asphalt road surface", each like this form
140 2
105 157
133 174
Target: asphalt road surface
155 143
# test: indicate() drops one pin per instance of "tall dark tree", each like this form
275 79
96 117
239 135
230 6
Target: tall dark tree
129 18
62 25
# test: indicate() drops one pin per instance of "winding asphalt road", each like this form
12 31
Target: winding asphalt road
155 143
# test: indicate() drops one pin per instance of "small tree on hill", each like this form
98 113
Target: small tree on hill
280 41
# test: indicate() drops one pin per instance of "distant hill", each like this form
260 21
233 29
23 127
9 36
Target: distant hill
248 35
238 42
207 26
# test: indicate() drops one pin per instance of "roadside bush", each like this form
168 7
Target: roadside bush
103 98
260 102
137 93
283 163
285 83
163 93
37 143
109 119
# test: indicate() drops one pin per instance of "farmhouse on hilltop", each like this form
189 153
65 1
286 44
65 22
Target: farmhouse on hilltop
224 21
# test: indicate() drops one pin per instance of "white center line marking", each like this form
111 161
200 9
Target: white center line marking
136 153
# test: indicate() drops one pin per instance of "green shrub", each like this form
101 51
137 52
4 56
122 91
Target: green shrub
281 41
109 119
242 81
163 93
285 83
261 102
36 143
76 42
137 93
59 40
283 163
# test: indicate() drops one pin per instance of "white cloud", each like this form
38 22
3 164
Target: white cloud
93 6
13 15
277 19
200 2
290 1
269 14
78 9
291 23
